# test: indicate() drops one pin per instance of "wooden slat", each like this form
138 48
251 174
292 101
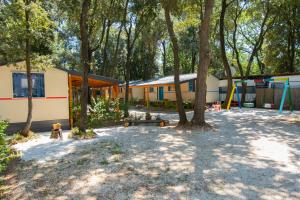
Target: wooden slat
270 95
77 81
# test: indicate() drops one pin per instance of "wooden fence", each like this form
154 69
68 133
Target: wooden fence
273 95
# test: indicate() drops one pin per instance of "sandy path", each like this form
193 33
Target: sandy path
254 154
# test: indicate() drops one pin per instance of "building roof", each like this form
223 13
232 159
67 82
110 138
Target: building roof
264 76
91 76
76 73
163 80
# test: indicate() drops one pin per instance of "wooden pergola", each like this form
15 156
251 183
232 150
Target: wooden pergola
95 82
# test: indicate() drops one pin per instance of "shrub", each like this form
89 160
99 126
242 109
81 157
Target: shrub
134 101
3 126
158 104
18 138
78 134
89 133
169 104
188 105
6 153
76 113
116 149
102 110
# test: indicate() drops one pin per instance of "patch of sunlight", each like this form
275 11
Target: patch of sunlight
273 150
275 194
234 189
178 189
94 180
37 176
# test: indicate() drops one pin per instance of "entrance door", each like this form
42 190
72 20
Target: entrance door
161 93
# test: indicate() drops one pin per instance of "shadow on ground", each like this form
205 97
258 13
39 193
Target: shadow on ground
252 155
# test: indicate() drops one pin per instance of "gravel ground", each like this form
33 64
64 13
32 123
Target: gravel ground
252 154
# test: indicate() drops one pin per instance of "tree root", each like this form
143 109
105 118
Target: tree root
205 127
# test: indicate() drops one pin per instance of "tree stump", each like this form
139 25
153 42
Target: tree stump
55 134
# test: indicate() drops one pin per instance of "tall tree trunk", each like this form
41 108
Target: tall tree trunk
114 61
99 69
27 127
175 47
257 46
164 53
193 63
127 70
127 79
260 64
236 52
152 60
291 41
223 52
204 58
84 51
105 67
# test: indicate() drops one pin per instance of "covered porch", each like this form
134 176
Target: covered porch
99 86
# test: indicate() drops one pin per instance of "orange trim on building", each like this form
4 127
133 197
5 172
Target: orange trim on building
56 97
34 98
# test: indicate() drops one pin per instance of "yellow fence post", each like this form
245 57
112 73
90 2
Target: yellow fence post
231 96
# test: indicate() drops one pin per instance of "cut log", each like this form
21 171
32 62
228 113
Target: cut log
137 122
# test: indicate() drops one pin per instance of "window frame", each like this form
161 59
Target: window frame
171 88
151 89
191 85
33 88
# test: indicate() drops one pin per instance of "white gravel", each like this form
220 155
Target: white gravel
253 154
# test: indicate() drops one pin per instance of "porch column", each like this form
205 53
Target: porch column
147 90
70 101
115 91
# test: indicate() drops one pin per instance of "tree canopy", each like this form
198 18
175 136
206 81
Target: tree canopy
261 37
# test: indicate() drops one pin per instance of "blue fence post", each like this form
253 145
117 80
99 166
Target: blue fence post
286 85
238 96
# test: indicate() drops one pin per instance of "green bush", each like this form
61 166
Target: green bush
169 104
157 104
76 113
102 110
18 138
188 105
78 134
134 101
3 126
6 153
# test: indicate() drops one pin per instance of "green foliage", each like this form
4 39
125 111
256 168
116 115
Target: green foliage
75 131
76 113
13 30
116 149
78 134
102 110
82 161
169 104
3 126
6 153
158 104
188 105
134 101
164 104
18 138
104 162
